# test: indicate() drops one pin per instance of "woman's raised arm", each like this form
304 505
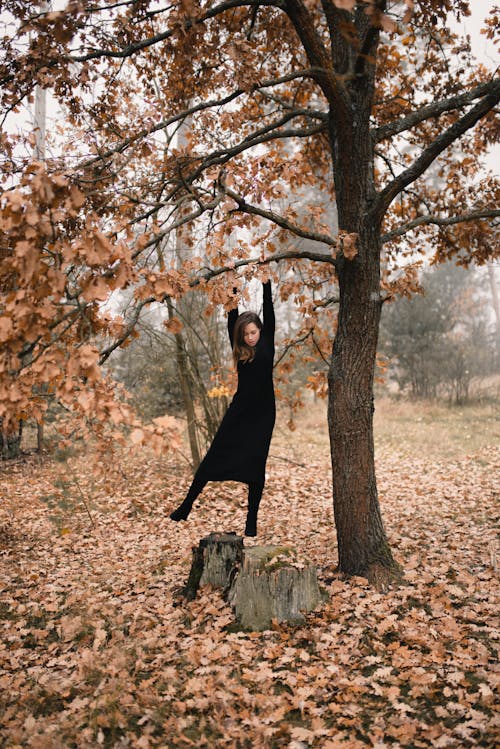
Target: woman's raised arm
231 321
268 310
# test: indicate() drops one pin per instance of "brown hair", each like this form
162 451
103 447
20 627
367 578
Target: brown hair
241 351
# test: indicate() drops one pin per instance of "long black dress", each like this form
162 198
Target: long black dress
241 445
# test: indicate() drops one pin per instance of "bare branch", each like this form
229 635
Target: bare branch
222 156
275 218
202 208
429 154
207 275
128 330
275 258
145 132
292 344
43 347
439 221
327 302
431 110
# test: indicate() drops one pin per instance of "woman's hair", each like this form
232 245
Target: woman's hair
241 351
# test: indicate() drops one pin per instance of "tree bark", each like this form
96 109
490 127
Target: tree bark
270 586
362 543
494 299
215 561
262 583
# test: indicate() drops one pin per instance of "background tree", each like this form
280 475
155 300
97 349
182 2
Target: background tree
149 368
367 98
439 341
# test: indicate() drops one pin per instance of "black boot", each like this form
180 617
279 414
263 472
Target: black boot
254 496
182 512
251 526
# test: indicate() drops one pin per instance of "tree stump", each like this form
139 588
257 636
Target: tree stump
273 584
215 561
261 583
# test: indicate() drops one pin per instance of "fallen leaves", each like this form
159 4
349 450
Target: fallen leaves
98 650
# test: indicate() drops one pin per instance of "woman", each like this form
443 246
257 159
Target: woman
240 447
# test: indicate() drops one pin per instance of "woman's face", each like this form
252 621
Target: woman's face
251 334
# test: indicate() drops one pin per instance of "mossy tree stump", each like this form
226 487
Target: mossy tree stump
261 583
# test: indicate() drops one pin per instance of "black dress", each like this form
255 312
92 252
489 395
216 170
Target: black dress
241 445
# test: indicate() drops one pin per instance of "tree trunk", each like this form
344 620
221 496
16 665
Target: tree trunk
39 436
10 441
495 301
362 544
187 396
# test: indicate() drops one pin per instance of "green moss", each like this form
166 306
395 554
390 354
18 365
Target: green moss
274 558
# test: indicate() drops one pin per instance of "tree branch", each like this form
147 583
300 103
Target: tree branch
185 219
332 85
207 276
221 157
275 218
429 154
290 345
366 54
131 49
431 110
274 258
106 353
145 132
439 221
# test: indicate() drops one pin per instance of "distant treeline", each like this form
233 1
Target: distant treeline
438 342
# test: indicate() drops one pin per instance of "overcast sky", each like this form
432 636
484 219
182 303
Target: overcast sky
483 48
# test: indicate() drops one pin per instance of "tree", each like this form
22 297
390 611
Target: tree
437 342
150 370
366 99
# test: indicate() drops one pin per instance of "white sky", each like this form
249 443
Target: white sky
482 47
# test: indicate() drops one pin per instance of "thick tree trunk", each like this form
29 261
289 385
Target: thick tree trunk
362 543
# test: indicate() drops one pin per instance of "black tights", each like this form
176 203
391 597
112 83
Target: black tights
255 489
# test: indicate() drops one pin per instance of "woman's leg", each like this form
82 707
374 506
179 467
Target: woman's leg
182 512
255 490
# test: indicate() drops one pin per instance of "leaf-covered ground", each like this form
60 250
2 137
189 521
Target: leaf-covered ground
97 649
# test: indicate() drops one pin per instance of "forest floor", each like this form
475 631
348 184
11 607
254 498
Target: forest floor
97 648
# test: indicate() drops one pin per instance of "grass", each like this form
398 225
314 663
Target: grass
436 430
